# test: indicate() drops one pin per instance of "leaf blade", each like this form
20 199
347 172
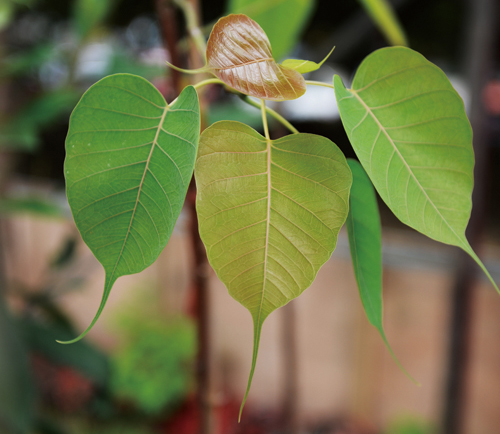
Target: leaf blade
414 141
304 66
129 160
239 54
365 242
270 217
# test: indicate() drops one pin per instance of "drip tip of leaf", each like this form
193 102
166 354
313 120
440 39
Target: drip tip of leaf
327 56
107 289
256 341
386 342
188 71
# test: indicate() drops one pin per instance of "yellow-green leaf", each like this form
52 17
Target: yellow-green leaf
269 213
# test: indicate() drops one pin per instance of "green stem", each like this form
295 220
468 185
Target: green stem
273 113
320 83
264 118
192 26
207 81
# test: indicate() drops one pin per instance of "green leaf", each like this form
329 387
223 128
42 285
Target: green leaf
129 162
269 213
282 20
410 132
304 66
6 12
88 14
365 242
386 20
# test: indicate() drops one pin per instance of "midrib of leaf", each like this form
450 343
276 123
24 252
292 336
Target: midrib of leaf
146 168
463 244
258 321
250 62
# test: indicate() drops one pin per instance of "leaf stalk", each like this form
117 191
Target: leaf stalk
270 111
320 83
264 118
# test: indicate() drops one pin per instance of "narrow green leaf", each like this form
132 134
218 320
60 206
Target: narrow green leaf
386 20
129 161
304 66
269 213
365 242
410 132
282 20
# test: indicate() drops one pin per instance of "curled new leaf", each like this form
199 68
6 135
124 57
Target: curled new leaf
239 53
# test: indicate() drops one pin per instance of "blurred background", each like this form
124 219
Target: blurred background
172 351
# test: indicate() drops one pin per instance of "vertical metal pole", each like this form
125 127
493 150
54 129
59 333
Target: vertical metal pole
478 58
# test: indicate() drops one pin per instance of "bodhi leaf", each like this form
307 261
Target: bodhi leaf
304 66
365 242
129 161
239 54
410 132
269 213
282 20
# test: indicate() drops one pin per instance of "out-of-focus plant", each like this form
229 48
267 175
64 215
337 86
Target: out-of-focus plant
410 425
153 366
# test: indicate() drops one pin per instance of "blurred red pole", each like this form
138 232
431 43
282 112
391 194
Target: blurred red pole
478 60
167 13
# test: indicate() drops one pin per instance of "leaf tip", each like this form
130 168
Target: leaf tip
256 340
391 352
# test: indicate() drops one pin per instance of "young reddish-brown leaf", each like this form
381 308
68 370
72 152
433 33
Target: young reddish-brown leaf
239 53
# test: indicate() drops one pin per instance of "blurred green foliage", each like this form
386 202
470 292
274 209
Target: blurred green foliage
408 424
153 368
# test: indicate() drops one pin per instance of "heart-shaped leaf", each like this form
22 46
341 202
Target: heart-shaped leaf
129 161
239 54
410 132
365 242
269 213
282 20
